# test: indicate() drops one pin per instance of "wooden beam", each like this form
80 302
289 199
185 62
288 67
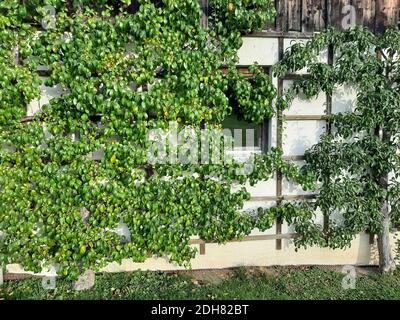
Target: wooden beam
279 143
295 76
281 34
261 237
284 198
293 158
27 119
316 117
202 248
328 123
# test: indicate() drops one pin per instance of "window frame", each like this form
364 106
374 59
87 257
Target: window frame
264 127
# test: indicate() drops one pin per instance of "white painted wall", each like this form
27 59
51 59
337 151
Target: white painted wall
303 106
298 136
263 51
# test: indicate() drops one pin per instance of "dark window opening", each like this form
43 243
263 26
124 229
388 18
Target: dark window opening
254 137
246 134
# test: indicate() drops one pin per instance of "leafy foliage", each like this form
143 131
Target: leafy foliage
123 69
356 163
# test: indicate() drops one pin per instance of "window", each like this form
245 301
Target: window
248 137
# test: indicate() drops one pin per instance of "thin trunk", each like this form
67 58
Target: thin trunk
386 261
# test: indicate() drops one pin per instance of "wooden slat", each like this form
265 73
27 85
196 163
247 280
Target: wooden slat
335 13
328 13
386 14
398 15
281 16
369 12
294 15
308 15
359 10
337 16
380 15
320 15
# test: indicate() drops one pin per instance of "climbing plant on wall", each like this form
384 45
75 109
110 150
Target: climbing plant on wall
356 163
124 68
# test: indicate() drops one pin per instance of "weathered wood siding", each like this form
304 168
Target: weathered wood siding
316 15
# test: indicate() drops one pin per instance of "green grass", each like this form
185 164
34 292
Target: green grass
272 283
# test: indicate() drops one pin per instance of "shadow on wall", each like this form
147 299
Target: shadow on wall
367 252
344 99
372 249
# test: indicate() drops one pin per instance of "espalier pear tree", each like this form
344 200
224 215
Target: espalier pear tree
78 171
357 162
